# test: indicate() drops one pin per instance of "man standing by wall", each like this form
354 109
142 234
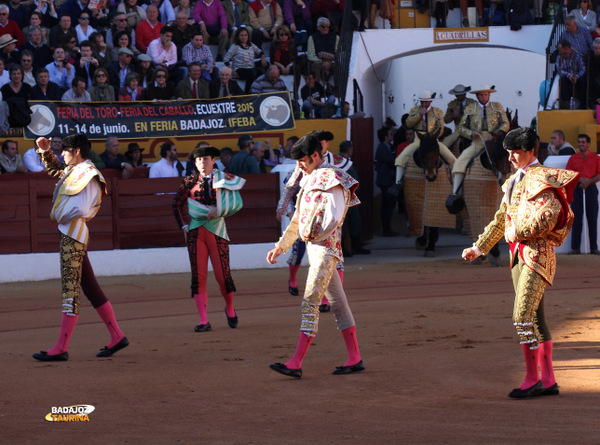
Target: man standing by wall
168 166
558 146
243 163
587 164
113 159
10 159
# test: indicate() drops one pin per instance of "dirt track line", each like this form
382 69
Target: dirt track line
281 306
404 289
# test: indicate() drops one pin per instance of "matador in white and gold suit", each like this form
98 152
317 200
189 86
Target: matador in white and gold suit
321 206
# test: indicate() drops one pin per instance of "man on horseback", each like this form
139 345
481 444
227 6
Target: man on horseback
456 110
425 119
478 124
534 217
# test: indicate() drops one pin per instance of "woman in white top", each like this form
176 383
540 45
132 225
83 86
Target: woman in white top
585 15
84 30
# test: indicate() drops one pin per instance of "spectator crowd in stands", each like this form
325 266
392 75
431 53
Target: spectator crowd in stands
131 50
577 58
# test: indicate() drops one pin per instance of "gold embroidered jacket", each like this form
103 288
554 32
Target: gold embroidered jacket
538 208
472 120
455 105
435 121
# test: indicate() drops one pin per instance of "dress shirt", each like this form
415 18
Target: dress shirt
159 54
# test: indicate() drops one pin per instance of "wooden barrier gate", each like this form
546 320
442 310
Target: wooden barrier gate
137 213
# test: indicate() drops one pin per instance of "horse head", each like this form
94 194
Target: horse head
427 156
495 157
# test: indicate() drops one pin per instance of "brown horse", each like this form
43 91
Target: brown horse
427 156
422 197
493 156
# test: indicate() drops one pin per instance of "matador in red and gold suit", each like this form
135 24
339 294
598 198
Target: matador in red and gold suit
534 217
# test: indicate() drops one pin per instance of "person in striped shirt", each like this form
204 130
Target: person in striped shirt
76 200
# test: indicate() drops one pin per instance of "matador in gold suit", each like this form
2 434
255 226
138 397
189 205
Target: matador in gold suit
423 118
477 124
324 197
534 217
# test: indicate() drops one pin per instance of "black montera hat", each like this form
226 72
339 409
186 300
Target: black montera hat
522 138
306 146
322 135
199 152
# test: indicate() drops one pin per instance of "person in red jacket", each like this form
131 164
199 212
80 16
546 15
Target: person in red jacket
8 26
148 30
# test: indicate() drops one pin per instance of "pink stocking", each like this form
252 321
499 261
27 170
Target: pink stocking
531 367
341 274
546 364
67 326
229 304
108 317
201 300
352 346
293 273
303 343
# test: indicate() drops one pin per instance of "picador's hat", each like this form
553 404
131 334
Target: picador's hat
522 138
459 89
427 96
484 89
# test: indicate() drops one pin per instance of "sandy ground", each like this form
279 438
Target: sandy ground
436 339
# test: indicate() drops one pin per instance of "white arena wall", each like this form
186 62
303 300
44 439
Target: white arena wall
399 64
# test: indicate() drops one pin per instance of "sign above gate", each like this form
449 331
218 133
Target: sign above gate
451 35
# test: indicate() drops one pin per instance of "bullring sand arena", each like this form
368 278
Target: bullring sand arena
436 338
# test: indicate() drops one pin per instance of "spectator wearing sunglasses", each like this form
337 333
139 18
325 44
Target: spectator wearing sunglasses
11 27
283 51
84 29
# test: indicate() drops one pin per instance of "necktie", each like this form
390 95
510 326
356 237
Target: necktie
236 13
484 125
462 108
195 91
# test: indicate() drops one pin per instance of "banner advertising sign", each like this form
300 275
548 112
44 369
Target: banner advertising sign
134 120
